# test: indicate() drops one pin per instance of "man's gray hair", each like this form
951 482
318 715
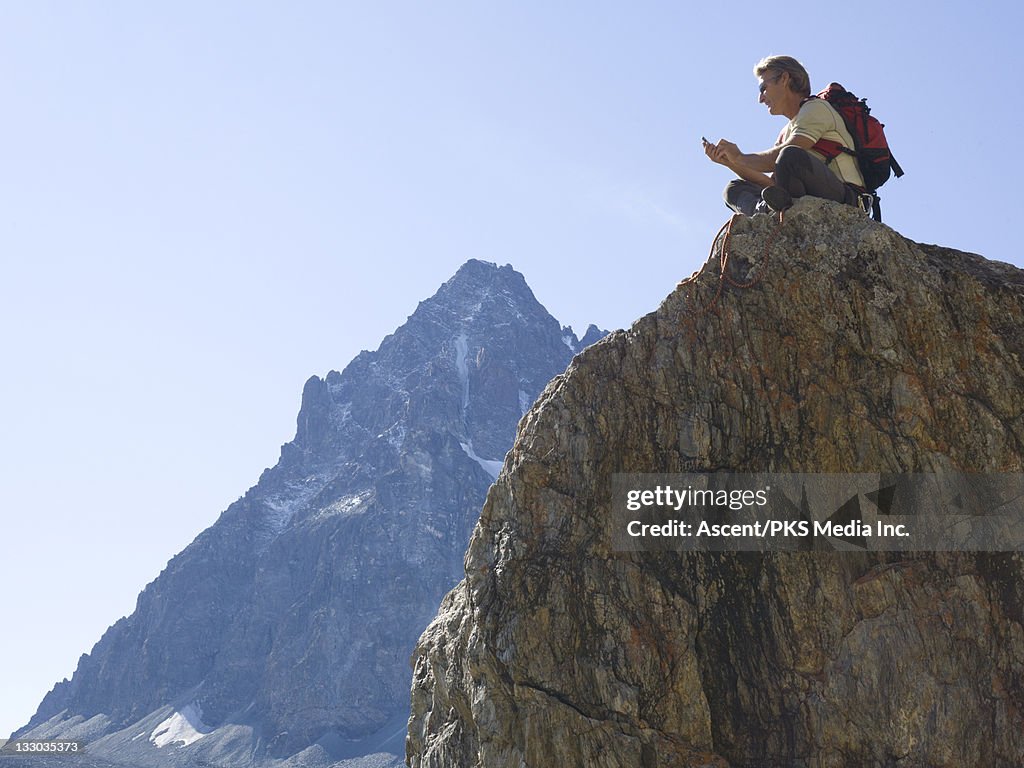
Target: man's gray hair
799 80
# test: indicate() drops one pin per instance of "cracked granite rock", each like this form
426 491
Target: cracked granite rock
853 350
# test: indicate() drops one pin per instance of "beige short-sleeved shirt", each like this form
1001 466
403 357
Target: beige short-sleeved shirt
817 119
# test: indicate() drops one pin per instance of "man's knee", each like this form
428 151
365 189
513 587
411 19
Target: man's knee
734 188
801 173
741 196
793 160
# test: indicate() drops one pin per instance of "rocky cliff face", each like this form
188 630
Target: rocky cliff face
288 625
852 350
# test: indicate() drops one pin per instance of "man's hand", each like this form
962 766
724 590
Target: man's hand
714 153
729 151
724 152
728 154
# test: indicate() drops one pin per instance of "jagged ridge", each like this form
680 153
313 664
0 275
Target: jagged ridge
290 621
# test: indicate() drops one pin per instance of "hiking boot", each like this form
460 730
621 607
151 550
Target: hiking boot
777 198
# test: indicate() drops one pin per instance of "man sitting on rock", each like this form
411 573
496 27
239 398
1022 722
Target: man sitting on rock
799 170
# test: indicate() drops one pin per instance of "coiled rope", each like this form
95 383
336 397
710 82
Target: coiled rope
723 273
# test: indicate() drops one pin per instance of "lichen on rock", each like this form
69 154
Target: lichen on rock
853 350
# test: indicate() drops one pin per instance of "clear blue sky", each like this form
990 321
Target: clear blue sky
203 204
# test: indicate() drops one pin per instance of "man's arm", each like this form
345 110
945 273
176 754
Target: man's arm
749 174
752 167
758 162
716 154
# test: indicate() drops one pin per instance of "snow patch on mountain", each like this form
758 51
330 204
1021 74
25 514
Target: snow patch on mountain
184 727
348 505
342 413
281 507
490 466
461 352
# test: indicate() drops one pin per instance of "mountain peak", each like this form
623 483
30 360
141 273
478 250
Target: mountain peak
477 275
288 624
481 292
475 269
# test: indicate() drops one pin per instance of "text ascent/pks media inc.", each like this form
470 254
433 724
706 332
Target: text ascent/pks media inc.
669 498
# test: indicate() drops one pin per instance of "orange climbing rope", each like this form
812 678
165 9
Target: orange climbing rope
723 275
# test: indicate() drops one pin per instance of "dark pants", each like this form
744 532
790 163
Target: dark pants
799 173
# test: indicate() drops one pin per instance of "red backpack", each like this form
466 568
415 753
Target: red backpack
871 149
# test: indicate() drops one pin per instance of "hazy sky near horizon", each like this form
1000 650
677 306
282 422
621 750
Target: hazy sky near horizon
203 204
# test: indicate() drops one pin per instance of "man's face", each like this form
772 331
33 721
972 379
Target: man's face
772 87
